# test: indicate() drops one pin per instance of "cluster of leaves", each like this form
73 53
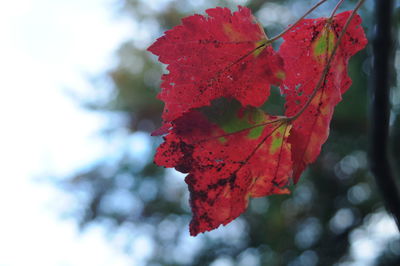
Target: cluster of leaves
221 68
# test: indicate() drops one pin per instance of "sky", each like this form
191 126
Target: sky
46 48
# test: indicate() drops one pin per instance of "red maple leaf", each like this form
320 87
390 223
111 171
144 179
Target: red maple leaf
306 51
215 56
220 70
232 153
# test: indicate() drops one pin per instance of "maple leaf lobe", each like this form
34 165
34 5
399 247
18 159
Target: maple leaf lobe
253 160
311 45
215 56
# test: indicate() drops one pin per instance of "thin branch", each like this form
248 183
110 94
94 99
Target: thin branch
382 68
335 9
282 119
294 24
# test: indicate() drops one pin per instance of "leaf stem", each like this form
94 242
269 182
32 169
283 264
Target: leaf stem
328 63
282 119
294 24
335 9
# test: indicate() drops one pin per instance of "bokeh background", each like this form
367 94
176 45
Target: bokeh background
78 183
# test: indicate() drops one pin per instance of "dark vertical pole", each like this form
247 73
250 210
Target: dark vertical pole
382 69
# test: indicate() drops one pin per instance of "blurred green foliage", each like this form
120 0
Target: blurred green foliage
315 225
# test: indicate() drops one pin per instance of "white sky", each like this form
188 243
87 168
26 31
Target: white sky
45 47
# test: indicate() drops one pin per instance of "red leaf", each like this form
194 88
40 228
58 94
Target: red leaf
231 154
215 56
305 51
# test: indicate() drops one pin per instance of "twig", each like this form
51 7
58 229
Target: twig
294 24
335 9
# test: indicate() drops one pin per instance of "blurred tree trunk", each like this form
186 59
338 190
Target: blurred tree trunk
382 71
